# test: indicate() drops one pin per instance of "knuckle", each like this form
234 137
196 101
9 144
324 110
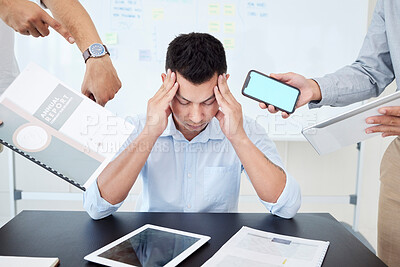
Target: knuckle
23 28
56 26
31 19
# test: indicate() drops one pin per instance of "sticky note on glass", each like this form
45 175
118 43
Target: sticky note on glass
158 13
144 55
111 38
213 26
213 9
229 27
229 10
229 43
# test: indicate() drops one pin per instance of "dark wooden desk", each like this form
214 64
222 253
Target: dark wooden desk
71 235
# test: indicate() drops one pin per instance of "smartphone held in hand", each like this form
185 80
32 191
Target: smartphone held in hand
261 87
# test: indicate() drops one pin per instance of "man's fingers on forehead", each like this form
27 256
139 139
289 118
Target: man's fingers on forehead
220 98
173 89
172 79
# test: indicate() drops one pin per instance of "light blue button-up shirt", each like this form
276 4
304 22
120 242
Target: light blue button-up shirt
202 175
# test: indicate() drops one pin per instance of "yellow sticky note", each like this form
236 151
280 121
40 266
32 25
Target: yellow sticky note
213 26
158 13
229 27
229 43
213 9
111 38
229 10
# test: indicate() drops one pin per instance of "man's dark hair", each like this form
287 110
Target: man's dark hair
196 56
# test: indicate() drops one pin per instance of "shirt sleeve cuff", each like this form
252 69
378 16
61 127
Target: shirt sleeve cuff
289 201
95 205
329 97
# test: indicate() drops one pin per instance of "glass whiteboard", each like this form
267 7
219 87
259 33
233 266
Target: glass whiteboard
311 37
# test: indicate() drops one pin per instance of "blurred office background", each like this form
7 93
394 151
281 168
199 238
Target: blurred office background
311 37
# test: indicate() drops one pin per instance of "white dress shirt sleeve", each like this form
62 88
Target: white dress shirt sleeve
289 201
96 206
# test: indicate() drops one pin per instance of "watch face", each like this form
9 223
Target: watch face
97 50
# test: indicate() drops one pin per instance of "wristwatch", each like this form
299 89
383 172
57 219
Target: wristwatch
95 50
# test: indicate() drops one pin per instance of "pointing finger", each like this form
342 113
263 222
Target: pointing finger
58 27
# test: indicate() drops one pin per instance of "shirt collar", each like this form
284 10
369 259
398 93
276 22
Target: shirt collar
212 131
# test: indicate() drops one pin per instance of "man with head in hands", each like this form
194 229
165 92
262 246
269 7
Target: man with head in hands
193 144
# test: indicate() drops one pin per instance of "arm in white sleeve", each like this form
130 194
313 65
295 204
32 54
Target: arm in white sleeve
93 203
289 201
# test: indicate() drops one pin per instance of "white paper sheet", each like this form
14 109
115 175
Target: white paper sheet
28 261
251 247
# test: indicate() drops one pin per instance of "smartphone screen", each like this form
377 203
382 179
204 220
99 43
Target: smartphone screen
265 89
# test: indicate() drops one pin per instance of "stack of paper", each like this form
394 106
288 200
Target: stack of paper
28 261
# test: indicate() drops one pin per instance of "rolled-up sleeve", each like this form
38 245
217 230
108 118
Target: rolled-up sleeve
289 201
96 206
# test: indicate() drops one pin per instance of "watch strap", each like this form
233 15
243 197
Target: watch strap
86 55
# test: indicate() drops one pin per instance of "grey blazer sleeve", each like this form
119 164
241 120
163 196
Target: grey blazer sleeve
368 76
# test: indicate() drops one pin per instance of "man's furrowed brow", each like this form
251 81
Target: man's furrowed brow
211 97
182 97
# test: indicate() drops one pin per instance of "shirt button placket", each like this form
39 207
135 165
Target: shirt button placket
189 174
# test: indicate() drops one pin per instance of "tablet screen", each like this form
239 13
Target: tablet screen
150 247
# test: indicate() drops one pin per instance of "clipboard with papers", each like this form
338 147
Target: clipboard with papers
347 128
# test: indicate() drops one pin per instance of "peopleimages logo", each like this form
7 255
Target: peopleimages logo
106 125
275 125
271 124
107 147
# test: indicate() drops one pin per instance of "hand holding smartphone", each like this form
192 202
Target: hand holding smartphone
261 87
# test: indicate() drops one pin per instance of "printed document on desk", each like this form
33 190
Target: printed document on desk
251 247
59 129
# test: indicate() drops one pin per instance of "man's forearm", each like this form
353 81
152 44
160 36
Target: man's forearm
119 176
268 179
74 17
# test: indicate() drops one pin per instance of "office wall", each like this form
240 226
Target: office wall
329 175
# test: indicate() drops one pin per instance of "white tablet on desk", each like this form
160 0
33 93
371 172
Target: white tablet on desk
347 128
149 245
